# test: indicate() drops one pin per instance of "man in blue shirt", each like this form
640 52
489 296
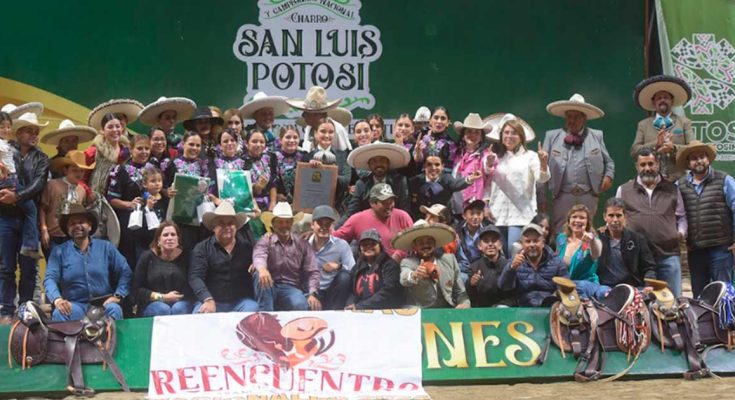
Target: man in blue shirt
334 259
709 199
84 271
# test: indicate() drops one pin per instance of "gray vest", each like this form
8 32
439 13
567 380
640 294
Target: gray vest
709 217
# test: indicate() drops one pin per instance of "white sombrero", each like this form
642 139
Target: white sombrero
644 91
575 103
316 100
225 209
262 100
27 119
16 111
129 107
67 128
472 121
398 156
184 110
497 121
339 114
443 235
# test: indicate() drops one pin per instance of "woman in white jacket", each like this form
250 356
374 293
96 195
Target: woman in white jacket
516 171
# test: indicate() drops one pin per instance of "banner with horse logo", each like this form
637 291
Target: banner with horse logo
287 355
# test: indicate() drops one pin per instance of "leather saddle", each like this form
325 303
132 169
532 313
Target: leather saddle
34 340
714 309
589 328
674 325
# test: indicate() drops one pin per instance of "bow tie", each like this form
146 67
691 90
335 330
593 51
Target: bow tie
662 123
573 140
325 156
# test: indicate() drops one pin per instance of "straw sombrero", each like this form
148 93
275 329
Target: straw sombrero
225 209
73 157
695 146
644 91
128 107
316 100
472 121
16 111
67 128
262 100
184 110
497 121
339 114
443 235
396 154
575 103
27 119
281 210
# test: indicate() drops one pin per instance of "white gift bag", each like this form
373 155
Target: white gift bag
205 207
136 219
151 219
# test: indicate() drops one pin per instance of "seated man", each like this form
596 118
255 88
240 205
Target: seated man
84 271
626 257
531 271
431 280
333 258
284 265
218 271
468 232
483 287
434 186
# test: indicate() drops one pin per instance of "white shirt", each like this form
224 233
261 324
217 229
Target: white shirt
341 140
513 189
6 155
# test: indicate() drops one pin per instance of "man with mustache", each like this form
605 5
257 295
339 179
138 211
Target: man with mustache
626 256
83 270
709 199
432 279
664 132
654 208
531 271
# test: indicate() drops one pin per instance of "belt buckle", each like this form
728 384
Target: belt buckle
577 191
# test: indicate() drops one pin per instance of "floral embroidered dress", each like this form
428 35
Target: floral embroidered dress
180 165
285 172
260 167
582 267
440 145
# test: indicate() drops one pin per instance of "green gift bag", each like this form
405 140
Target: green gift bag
190 192
235 186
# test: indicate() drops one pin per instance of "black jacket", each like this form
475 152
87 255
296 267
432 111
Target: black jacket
215 273
388 293
487 293
32 170
422 195
637 257
361 199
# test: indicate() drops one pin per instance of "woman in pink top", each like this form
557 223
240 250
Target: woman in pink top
471 158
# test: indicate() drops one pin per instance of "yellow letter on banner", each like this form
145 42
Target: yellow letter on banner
457 358
480 342
510 351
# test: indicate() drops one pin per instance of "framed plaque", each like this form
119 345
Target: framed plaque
314 186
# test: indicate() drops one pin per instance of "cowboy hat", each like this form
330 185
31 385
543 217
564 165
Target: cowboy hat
202 113
67 128
397 155
225 209
281 210
73 157
695 146
128 107
316 100
262 100
472 121
27 119
422 114
184 109
497 121
435 209
16 111
575 103
443 235
339 114
77 209
644 91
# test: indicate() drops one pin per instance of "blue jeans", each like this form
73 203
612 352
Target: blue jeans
30 225
79 310
10 233
511 234
589 289
156 308
279 297
243 305
669 269
335 296
708 265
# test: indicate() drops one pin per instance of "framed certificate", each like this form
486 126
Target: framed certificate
314 186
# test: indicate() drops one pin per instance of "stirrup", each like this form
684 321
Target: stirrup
83 391
699 374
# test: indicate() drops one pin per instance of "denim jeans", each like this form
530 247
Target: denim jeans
511 234
243 305
79 310
709 264
335 296
669 269
279 297
10 234
30 225
156 308
589 289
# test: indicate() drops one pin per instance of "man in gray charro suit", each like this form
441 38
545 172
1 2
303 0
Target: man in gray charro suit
580 165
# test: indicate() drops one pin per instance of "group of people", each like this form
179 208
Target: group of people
432 219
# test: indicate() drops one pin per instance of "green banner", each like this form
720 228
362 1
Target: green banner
697 45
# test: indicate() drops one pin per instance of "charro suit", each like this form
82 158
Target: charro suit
646 136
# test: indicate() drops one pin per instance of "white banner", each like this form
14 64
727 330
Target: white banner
287 355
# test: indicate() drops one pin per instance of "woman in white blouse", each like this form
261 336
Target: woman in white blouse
516 172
